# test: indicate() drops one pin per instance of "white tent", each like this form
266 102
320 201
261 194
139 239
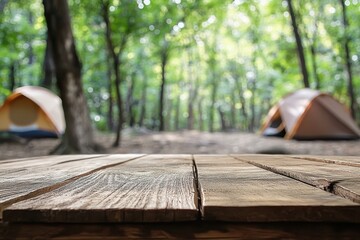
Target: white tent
310 114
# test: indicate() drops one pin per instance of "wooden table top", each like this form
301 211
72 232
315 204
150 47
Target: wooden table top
238 192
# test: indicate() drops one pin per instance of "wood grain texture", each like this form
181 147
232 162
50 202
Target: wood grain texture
25 182
342 180
237 191
156 188
189 230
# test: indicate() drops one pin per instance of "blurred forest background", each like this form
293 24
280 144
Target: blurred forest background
205 65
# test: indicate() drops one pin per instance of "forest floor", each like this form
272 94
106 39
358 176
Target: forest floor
144 141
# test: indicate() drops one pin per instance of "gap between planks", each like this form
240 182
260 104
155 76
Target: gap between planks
331 186
55 186
198 191
328 160
81 159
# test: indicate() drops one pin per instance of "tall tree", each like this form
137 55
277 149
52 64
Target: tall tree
130 99
169 20
48 66
346 41
78 137
116 61
110 113
12 77
126 22
164 55
193 90
313 41
143 101
214 83
299 45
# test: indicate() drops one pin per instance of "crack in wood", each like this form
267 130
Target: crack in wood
280 172
331 185
198 191
81 159
331 161
53 187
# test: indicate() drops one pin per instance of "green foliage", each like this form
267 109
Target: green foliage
223 55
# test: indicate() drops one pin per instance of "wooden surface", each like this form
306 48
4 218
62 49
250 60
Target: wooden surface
148 189
233 190
208 196
23 182
340 179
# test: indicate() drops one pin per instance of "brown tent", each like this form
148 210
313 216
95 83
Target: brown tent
32 112
309 114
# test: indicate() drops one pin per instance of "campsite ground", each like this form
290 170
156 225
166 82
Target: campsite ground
143 141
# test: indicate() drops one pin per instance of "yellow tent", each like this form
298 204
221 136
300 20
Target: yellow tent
32 112
310 114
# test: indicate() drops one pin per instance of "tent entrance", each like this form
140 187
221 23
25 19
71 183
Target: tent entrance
23 111
276 128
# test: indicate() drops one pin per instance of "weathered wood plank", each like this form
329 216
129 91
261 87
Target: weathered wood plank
32 181
339 179
237 191
156 188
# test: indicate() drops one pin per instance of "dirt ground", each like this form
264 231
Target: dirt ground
143 141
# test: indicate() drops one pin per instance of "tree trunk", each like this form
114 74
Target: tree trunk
169 107
313 53
12 78
214 86
192 94
118 102
242 102
177 113
223 119
201 117
314 65
164 60
233 110
190 119
78 137
252 106
143 102
48 66
300 49
348 65
116 65
31 56
130 101
212 106
110 114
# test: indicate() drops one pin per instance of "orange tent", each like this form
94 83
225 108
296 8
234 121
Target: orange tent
308 114
32 112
